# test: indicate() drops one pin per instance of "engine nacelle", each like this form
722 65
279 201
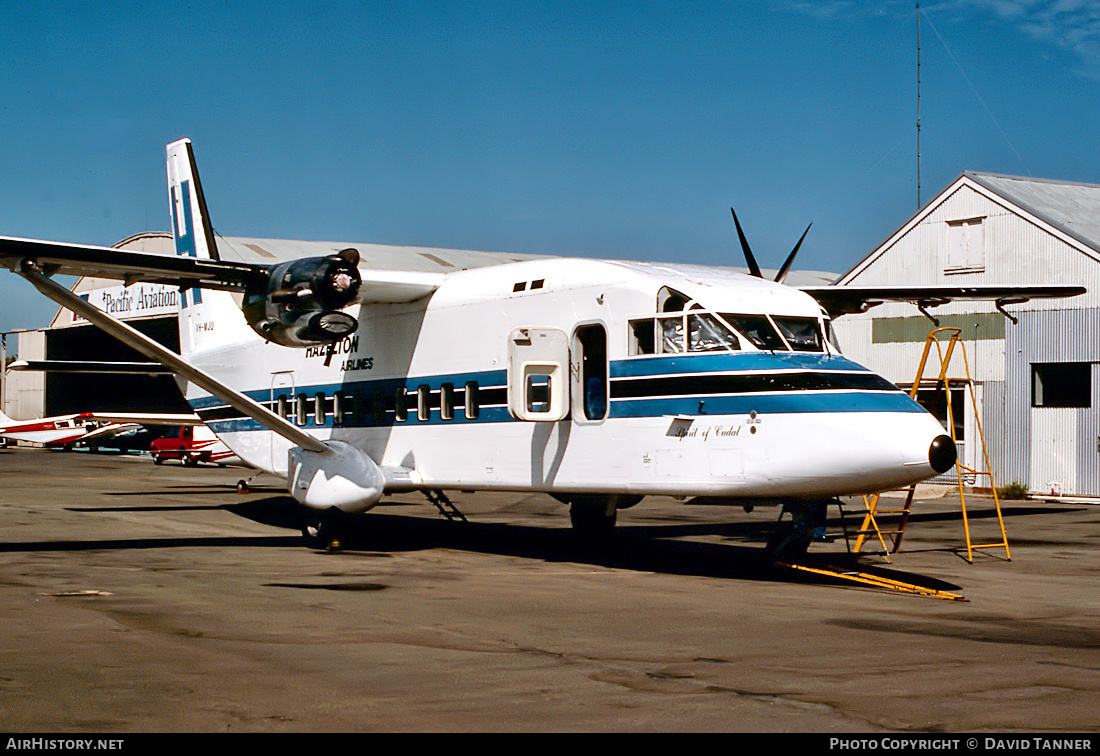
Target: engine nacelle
300 304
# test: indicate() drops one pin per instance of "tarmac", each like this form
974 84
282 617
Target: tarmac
144 599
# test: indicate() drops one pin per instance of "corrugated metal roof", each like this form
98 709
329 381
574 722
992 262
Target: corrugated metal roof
1070 207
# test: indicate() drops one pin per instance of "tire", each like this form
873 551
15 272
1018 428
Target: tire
189 461
593 517
157 459
321 530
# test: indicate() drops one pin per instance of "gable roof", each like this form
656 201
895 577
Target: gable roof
1073 208
1070 208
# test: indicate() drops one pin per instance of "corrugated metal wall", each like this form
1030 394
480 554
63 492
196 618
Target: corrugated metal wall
1045 337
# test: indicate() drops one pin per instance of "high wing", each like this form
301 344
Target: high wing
846 300
187 272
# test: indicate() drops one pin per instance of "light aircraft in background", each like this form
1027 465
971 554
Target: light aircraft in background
83 427
597 382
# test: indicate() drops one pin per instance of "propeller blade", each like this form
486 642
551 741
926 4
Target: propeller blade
754 269
782 274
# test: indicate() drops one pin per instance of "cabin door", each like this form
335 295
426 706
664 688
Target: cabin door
538 374
282 404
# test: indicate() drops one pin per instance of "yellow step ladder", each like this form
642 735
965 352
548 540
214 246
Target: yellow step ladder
870 525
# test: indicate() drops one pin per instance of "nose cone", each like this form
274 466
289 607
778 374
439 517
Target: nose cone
942 454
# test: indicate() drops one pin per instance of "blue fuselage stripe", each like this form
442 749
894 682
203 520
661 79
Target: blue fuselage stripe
492 389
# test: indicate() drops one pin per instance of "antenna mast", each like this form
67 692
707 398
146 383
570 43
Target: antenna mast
918 104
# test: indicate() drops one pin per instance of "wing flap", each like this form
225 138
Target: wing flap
845 300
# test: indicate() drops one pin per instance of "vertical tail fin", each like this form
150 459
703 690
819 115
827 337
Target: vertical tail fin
194 236
190 222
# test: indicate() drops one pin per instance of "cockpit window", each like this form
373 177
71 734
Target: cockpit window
803 334
757 329
702 331
706 333
671 330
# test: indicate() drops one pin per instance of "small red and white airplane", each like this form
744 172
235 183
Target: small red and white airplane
64 430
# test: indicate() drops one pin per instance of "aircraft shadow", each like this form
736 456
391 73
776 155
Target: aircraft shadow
643 548
739 555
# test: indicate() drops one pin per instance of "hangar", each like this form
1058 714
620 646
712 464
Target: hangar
151 308
1034 372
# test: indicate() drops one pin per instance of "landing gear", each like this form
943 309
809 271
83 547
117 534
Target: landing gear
321 530
592 519
593 516
792 537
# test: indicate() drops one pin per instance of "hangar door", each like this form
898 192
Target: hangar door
1065 429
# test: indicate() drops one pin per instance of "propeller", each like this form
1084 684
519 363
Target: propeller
754 269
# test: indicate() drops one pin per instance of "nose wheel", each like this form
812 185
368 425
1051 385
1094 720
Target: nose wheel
792 537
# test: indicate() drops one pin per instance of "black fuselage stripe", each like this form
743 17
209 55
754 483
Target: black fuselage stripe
749 383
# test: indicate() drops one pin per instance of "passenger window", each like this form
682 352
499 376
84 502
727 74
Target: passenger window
319 414
423 404
472 407
300 409
338 408
537 393
378 406
359 407
400 410
283 408
447 401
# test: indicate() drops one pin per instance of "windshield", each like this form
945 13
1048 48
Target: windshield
803 334
757 329
699 331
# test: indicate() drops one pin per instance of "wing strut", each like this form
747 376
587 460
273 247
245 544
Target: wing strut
142 343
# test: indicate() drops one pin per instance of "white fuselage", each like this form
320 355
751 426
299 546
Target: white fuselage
573 393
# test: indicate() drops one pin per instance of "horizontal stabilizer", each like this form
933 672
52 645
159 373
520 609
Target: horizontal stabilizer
140 418
90 366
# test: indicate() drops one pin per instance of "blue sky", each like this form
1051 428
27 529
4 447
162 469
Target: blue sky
603 129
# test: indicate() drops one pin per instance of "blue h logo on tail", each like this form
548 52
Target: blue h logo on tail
184 232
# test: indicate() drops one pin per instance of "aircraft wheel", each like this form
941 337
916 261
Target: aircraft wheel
792 538
157 459
593 517
190 461
321 530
